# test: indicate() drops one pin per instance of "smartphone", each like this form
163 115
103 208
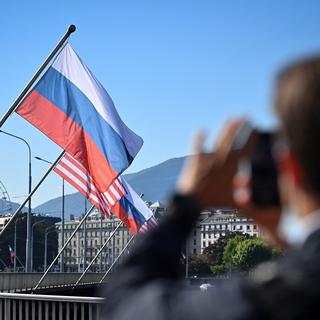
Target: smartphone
263 172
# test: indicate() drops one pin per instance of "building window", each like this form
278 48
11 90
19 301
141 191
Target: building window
194 242
194 251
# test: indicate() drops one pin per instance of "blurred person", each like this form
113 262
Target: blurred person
149 285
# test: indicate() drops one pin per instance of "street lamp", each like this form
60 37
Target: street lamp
15 244
28 240
85 238
46 245
100 264
39 222
62 217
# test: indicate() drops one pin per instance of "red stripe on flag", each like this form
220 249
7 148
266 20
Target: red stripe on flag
66 133
83 176
125 217
95 201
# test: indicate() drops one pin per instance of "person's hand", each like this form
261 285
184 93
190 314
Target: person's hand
212 179
209 176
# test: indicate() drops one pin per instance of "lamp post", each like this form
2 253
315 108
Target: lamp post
62 217
46 245
85 238
100 262
15 244
39 222
28 240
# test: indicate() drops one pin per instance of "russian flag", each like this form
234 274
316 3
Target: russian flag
132 210
12 254
72 108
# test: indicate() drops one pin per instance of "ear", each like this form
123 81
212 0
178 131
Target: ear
288 164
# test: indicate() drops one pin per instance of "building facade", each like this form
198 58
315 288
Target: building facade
89 239
214 223
209 227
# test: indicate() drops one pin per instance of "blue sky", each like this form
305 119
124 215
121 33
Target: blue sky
171 67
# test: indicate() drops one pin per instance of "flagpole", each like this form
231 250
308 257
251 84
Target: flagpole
32 192
62 249
115 261
71 29
97 255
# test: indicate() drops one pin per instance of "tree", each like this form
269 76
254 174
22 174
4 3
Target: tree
214 252
230 251
198 266
243 252
251 252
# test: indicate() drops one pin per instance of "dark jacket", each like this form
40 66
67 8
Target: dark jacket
149 286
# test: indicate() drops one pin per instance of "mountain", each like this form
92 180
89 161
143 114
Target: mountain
156 183
8 207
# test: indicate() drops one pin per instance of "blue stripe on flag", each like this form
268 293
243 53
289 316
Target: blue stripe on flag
132 211
65 95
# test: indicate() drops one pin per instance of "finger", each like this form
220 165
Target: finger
223 134
198 142
227 137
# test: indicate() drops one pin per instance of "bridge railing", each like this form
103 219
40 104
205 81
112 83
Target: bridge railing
16 306
24 282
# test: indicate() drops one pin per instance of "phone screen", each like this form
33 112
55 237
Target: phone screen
264 177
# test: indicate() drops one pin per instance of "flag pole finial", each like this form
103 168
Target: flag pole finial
72 28
13 107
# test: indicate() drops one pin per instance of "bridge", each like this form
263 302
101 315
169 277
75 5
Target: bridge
55 299
54 282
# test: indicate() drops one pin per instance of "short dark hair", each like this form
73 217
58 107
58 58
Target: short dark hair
298 105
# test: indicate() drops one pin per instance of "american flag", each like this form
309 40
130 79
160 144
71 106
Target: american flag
149 225
76 174
118 199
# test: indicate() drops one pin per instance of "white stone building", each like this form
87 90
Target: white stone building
97 232
212 224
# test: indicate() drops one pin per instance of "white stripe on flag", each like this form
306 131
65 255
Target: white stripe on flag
120 186
74 172
115 193
71 167
109 198
79 183
86 176
82 187
70 65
